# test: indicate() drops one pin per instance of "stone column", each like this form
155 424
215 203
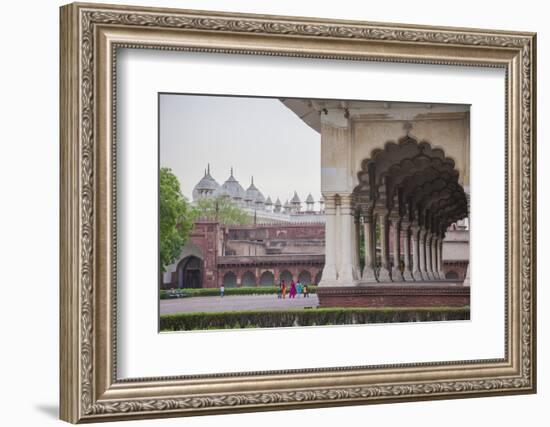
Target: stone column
407 271
434 245
428 247
440 257
330 275
396 274
369 272
357 241
384 274
422 252
467 276
416 273
348 271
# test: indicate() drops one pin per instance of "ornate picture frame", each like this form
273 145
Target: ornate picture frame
90 37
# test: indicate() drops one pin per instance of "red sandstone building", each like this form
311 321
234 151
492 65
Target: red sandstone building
249 255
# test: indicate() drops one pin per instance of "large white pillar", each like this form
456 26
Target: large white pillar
356 244
428 246
467 276
434 245
440 257
330 275
407 271
396 274
415 238
422 253
369 272
384 274
347 270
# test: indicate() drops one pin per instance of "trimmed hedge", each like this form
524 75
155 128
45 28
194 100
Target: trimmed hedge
209 292
307 317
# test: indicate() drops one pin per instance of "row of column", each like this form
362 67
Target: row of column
422 250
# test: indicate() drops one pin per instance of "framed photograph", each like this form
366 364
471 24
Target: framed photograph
267 212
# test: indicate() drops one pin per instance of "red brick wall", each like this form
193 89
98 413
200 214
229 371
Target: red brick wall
401 296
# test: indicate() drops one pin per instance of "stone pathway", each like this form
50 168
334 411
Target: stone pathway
235 302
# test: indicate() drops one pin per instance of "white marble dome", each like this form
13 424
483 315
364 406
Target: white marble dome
233 188
253 195
206 186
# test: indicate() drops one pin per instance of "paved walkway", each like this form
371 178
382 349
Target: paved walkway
235 302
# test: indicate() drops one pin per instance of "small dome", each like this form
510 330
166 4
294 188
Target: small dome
253 194
295 199
233 188
206 186
310 199
268 201
278 202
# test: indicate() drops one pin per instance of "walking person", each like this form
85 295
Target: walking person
222 290
299 287
292 289
283 288
306 295
279 290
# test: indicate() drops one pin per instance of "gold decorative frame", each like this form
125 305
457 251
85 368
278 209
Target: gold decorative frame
90 36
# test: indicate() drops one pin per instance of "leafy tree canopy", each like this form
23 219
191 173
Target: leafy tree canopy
222 210
176 218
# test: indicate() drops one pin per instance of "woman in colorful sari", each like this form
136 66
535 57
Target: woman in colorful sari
283 289
292 293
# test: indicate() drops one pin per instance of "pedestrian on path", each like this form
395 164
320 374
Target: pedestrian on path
305 290
283 289
292 289
222 290
299 287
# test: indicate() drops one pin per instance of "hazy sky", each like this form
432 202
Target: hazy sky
257 136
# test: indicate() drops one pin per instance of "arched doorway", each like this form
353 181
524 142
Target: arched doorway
267 279
190 272
230 280
248 279
305 277
286 276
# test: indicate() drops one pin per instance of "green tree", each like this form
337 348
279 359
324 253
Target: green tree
176 218
222 210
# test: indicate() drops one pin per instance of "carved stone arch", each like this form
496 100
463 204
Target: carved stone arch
432 167
287 276
418 179
248 278
450 195
229 279
387 168
191 249
189 272
267 278
407 148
